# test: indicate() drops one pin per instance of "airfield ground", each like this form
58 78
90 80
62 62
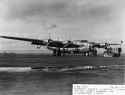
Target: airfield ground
42 60
39 83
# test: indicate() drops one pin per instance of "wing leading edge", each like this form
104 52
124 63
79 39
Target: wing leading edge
33 41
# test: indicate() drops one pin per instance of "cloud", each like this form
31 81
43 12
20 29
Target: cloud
81 15
65 10
18 9
67 13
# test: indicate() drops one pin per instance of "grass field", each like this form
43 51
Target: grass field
42 60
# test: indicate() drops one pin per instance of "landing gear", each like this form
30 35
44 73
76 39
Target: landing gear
92 52
57 52
110 52
54 52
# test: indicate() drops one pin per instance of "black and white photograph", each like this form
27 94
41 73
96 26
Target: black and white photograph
47 46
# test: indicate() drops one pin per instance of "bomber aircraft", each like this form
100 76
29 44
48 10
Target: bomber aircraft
60 48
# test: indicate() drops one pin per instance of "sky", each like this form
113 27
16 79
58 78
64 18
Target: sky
93 20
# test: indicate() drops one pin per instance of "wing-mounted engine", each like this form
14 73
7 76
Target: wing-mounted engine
38 42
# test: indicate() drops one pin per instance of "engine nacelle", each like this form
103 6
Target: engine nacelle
37 42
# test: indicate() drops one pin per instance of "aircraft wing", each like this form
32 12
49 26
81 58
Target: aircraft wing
33 41
114 44
42 42
71 45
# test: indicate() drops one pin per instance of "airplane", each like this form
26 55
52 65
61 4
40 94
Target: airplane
60 48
